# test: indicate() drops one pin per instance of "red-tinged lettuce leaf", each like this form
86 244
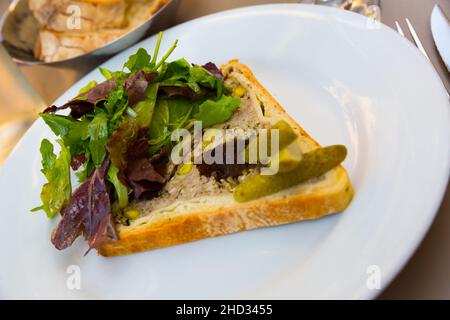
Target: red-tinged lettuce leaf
145 189
139 148
84 103
71 225
105 232
128 148
147 176
119 142
51 109
136 86
88 213
99 92
78 108
211 67
98 227
183 91
78 161
144 170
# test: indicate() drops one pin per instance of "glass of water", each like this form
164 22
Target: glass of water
19 104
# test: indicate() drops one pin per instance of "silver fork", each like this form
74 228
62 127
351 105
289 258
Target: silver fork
415 38
414 35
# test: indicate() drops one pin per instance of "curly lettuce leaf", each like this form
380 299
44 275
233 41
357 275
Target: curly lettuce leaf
56 193
48 157
69 129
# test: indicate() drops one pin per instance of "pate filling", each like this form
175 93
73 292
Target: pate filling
192 185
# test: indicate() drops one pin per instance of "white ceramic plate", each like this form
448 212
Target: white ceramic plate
346 81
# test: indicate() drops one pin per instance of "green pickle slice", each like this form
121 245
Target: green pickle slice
286 133
313 164
288 158
286 136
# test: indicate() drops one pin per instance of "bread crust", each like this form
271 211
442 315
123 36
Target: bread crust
56 44
240 217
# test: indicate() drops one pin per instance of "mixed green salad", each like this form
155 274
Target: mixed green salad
116 139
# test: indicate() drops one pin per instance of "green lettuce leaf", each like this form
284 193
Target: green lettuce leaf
144 109
204 77
181 73
138 61
170 114
121 190
180 111
115 101
73 132
213 112
160 120
48 157
88 87
106 73
57 191
87 169
98 134
60 125
174 71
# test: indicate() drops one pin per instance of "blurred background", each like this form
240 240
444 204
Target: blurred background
26 89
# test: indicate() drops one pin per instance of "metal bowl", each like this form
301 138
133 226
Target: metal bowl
19 30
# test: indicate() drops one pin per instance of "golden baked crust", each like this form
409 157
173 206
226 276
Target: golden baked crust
99 27
274 210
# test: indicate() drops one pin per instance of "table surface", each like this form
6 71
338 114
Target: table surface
427 273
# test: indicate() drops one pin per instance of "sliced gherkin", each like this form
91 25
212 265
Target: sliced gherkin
286 136
313 164
288 158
